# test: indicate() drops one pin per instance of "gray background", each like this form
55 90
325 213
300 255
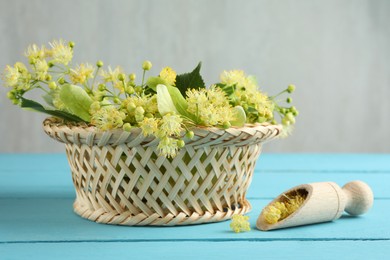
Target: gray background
336 52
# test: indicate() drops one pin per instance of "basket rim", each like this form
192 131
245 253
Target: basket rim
90 135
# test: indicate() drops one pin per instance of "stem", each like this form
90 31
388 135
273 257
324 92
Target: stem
280 93
143 78
94 78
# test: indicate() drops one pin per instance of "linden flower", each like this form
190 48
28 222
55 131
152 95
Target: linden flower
168 147
17 76
61 52
210 106
149 126
108 117
240 223
81 73
35 53
233 77
11 76
278 211
111 75
272 214
41 67
171 124
169 75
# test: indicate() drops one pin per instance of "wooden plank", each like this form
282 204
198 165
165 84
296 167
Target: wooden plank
39 220
363 163
200 250
267 162
58 184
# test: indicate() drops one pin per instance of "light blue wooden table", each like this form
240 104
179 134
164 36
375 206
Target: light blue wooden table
37 221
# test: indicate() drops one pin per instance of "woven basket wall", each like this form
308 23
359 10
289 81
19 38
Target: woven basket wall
120 179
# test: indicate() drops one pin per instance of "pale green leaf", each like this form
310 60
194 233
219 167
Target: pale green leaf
239 115
164 100
76 100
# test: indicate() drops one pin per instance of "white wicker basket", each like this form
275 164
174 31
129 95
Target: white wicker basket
120 179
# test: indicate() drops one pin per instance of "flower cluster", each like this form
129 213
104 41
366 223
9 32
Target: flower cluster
165 106
240 223
280 210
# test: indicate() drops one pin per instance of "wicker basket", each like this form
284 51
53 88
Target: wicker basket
120 179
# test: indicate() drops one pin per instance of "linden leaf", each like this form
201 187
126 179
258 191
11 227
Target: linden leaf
164 101
239 115
152 82
190 80
76 100
35 106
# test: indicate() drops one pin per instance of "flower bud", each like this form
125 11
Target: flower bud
138 89
139 111
139 118
48 77
180 143
61 81
15 101
99 63
131 107
291 88
129 90
190 134
117 100
121 76
261 119
71 44
52 85
132 76
101 87
289 100
146 65
11 95
226 125
127 127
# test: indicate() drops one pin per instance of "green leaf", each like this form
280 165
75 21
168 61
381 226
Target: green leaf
76 100
180 103
164 100
35 106
152 82
240 116
229 90
168 96
190 80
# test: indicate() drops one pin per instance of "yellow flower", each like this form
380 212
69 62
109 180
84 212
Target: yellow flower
60 52
210 106
171 124
232 77
280 210
35 53
111 75
272 214
81 73
11 76
17 76
149 126
168 147
41 68
108 117
240 223
169 75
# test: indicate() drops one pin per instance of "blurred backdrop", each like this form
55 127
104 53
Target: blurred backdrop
336 52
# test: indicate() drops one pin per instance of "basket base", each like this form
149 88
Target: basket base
128 219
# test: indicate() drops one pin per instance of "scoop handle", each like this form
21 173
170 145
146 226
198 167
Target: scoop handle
359 197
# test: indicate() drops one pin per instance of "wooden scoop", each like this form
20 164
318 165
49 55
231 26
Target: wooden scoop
325 201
